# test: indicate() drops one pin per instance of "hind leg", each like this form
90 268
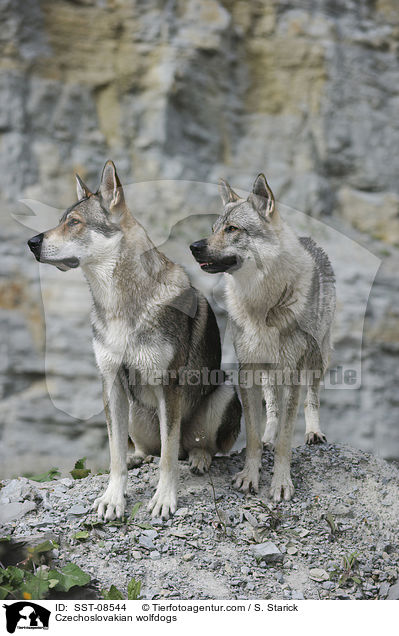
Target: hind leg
144 435
134 459
313 433
214 428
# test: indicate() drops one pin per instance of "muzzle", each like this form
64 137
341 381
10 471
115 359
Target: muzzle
199 248
210 262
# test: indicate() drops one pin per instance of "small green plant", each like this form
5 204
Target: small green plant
335 530
93 523
50 475
133 592
81 535
80 471
113 594
348 573
21 583
131 520
275 518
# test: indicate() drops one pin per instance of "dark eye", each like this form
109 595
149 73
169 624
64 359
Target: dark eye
73 222
231 228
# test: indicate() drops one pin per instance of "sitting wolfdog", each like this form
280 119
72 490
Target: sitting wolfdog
151 332
280 294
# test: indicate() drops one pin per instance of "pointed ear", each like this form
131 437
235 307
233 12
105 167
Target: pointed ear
228 195
262 198
111 188
81 188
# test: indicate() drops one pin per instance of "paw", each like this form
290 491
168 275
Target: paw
134 461
268 440
111 505
247 479
281 488
199 461
315 438
164 502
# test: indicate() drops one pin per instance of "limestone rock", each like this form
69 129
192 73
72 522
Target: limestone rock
179 96
268 552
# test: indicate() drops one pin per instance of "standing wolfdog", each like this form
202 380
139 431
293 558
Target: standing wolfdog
151 332
280 294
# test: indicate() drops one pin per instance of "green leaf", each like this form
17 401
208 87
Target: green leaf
133 590
15 575
82 534
356 580
42 548
113 594
135 510
46 546
80 474
343 579
35 586
144 526
49 476
69 576
80 463
54 575
93 523
80 471
5 590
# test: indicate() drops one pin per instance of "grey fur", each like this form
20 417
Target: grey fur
280 295
147 318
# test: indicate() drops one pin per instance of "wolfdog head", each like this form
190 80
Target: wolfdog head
246 234
88 229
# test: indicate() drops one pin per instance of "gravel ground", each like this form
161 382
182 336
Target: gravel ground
222 544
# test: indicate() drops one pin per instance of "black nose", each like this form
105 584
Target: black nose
35 244
198 246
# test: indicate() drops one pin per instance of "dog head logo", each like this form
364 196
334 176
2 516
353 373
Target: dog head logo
26 615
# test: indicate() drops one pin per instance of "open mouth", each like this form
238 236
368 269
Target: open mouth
68 263
65 264
216 267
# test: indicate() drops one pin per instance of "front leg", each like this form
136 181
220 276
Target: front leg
282 486
164 502
271 399
251 397
111 504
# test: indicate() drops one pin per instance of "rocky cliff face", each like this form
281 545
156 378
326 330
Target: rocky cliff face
178 94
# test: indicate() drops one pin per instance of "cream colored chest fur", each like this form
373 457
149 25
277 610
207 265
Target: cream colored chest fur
137 346
254 340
